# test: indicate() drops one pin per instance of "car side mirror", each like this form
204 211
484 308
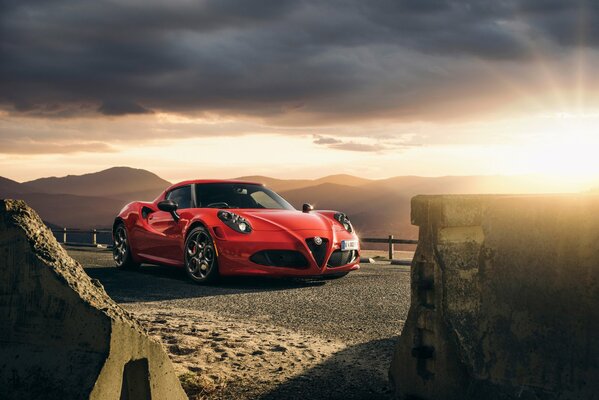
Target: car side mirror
169 206
307 208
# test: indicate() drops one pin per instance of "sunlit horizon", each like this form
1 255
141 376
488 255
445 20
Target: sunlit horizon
506 94
558 146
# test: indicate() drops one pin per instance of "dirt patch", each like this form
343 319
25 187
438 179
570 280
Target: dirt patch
218 358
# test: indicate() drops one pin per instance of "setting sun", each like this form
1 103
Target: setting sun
563 146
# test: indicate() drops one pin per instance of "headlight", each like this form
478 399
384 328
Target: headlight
234 221
343 220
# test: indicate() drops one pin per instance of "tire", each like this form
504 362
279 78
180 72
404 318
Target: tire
121 251
201 263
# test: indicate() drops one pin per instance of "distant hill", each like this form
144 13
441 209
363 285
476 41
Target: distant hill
278 185
422 185
377 207
122 183
281 185
85 201
67 210
9 186
373 212
382 207
343 179
465 184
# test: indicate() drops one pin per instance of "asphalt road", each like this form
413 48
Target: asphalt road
366 305
365 309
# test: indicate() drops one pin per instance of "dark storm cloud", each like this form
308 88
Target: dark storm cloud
567 23
266 58
121 107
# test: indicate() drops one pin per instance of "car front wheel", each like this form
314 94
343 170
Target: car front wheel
201 264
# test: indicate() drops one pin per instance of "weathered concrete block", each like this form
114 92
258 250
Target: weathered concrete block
505 299
61 335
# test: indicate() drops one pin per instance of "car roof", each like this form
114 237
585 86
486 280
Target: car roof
199 181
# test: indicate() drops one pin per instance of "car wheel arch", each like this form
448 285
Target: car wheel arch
117 222
194 225
120 221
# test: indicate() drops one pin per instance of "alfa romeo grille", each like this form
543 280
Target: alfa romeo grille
318 252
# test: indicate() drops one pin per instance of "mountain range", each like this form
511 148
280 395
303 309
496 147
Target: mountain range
85 201
376 207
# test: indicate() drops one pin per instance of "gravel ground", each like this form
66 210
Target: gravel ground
363 312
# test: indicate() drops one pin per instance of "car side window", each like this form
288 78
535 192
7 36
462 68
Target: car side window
181 195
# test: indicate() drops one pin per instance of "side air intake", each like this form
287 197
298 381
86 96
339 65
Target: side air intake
280 258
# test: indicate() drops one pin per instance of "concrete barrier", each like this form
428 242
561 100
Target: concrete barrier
61 336
505 299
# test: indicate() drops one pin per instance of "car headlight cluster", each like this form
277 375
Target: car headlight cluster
344 220
235 222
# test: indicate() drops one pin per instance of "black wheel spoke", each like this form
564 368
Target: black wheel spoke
209 253
193 265
192 248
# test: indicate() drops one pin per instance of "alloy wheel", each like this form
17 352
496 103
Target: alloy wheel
119 251
200 255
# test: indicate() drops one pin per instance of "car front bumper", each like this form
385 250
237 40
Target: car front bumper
236 250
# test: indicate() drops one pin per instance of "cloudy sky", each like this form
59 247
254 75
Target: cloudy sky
222 88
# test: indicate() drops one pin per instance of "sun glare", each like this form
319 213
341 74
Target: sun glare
563 146
559 150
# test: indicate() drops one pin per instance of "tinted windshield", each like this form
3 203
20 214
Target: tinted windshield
238 195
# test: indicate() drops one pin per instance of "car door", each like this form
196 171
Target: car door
167 234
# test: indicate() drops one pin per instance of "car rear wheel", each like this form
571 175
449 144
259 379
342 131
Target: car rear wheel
201 264
121 250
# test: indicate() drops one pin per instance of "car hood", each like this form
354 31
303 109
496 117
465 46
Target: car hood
274 220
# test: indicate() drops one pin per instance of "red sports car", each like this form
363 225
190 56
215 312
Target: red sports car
222 227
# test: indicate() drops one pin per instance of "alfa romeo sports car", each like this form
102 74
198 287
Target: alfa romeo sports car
223 227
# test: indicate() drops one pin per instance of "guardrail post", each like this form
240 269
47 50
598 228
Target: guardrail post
391 247
94 237
64 235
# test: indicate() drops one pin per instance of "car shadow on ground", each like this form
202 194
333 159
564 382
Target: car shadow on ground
357 372
154 283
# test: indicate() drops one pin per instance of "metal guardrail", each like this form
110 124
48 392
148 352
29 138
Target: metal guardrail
391 241
64 232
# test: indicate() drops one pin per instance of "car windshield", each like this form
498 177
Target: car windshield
238 195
